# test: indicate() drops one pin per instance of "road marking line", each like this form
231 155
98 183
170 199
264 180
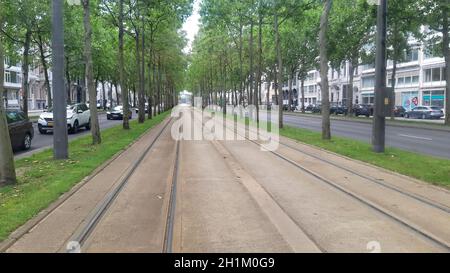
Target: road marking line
416 137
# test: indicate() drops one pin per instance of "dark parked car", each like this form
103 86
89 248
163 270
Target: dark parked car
425 112
316 108
309 108
363 110
399 111
338 109
117 113
20 129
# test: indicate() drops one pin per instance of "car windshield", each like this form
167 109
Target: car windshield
118 108
435 108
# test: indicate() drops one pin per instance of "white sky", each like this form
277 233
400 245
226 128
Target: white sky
191 26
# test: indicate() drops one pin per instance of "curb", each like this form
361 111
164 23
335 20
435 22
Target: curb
413 126
30 224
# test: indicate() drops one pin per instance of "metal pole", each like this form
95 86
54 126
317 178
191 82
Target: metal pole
379 120
60 138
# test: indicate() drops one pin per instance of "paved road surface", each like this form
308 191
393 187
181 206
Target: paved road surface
425 141
41 142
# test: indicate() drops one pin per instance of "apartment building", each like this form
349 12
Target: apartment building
419 81
13 95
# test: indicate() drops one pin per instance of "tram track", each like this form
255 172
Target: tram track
441 242
83 233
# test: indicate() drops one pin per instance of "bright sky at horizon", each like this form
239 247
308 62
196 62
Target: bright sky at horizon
191 26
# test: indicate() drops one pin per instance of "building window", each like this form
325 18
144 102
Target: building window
415 79
368 82
433 98
368 98
401 81
7 76
434 74
369 66
412 55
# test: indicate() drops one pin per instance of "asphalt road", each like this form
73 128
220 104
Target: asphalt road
41 142
424 141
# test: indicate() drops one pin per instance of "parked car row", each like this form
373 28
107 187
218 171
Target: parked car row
420 112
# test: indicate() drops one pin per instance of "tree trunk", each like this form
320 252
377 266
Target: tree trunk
126 107
45 66
25 71
150 86
68 79
290 101
117 94
142 78
251 83
260 61
280 72
110 96
241 69
303 95
323 44
351 71
155 83
394 75
7 169
446 51
141 106
92 88
104 100
159 85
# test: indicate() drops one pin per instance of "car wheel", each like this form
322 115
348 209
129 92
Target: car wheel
424 116
74 129
88 126
26 145
42 131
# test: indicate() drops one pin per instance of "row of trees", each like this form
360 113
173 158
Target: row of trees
244 44
134 45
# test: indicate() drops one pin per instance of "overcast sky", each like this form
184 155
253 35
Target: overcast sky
192 25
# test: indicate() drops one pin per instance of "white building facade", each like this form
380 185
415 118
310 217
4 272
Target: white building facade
13 95
419 81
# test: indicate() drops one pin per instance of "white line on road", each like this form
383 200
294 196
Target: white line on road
416 137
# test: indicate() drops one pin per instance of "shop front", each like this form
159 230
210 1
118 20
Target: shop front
433 98
410 99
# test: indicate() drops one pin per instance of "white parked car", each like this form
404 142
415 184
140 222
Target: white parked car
78 115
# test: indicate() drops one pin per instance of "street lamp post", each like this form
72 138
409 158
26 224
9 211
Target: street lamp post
379 119
60 138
